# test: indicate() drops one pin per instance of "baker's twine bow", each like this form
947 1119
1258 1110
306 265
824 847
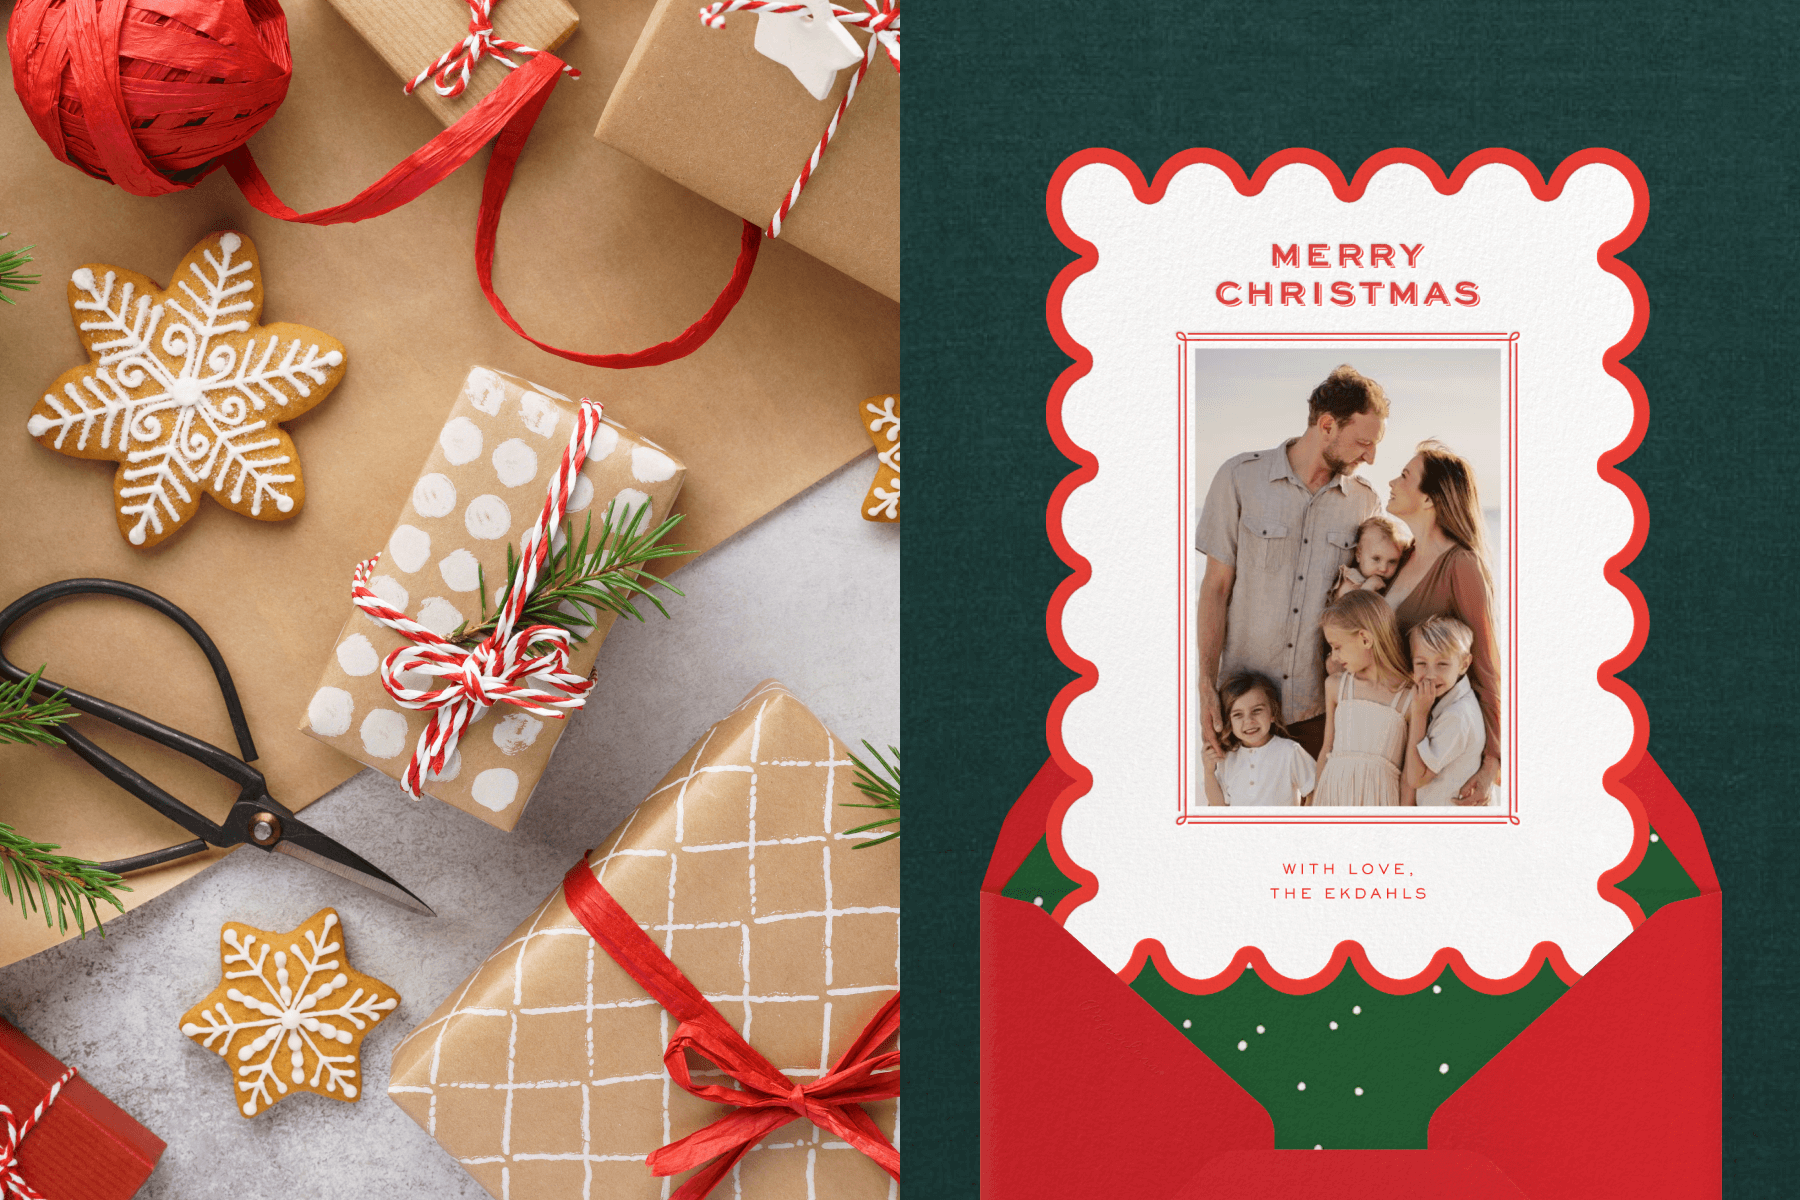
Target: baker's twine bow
453 67
766 1099
16 1187
882 21
495 671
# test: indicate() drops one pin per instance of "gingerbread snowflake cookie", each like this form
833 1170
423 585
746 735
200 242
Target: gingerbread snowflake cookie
881 419
185 390
290 1014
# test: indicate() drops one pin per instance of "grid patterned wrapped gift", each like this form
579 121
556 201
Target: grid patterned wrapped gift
480 491
542 1073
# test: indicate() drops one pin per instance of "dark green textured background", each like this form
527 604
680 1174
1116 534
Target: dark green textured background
996 96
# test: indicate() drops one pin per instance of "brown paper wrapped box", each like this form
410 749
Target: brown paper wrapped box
704 108
542 1073
481 489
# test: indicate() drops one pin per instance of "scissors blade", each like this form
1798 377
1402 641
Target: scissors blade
310 846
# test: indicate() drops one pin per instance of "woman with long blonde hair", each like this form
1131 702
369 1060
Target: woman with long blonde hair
1448 574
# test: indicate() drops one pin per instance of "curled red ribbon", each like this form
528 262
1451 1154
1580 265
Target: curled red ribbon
767 1099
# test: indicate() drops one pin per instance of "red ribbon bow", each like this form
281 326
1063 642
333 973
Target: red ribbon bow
15 1184
766 1099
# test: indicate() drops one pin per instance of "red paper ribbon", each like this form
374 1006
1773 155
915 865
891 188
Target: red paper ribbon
137 81
767 1099
16 1187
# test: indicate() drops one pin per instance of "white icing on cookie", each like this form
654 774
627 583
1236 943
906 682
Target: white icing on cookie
38 425
606 440
460 441
649 465
538 413
515 463
515 731
356 655
487 518
581 495
439 615
330 711
434 496
495 788
461 571
410 548
393 593
383 733
486 390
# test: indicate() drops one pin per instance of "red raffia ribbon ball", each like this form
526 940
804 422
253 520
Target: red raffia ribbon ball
148 94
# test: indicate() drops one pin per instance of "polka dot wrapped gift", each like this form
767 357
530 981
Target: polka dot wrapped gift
480 493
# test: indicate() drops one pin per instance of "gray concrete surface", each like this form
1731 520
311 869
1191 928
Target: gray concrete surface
809 595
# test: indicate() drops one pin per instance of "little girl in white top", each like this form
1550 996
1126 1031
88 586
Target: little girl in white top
1365 706
1261 765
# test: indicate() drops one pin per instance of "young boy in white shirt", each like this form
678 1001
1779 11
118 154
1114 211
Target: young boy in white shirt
1445 734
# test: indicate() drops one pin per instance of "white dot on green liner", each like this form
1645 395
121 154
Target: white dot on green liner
1654 838
1259 1029
1436 990
1243 1045
1303 1087
1038 900
1334 1024
1317 1147
1356 1010
1443 1068
1359 1091
1189 1024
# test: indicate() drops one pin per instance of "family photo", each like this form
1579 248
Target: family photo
1349 626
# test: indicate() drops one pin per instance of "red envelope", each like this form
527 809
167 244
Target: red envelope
1613 1091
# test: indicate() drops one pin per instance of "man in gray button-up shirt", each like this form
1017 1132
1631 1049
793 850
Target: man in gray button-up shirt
1276 527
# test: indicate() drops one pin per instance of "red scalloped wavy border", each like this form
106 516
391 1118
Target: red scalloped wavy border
1607 466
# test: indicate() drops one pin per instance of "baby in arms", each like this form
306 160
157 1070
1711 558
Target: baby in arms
1380 543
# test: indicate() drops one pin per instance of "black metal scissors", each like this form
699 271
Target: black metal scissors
255 818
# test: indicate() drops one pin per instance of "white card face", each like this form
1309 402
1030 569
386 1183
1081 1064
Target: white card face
813 45
1487 308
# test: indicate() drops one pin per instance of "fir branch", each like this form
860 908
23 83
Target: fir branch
883 794
12 274
602 571
40 876
26 720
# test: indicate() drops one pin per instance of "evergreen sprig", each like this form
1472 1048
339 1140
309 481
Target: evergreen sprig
602 571
12 273
883 794
25 720
40 875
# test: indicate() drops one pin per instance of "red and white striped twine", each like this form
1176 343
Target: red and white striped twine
494 671
882 21
16 1187
453 66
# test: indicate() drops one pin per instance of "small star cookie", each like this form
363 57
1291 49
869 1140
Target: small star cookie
184 390
881 417
289 1013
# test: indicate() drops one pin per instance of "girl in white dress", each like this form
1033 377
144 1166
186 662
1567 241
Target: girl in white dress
1261 765
1365 706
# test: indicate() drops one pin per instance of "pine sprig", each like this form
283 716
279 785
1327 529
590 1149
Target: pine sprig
40 876
883 794
602 571
12 274
25 720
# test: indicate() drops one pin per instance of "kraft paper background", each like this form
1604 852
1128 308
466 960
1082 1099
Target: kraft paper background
596 252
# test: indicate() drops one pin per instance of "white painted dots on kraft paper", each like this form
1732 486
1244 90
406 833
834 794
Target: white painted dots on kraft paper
629 1129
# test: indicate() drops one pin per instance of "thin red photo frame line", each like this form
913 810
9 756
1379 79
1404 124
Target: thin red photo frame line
1087 467
1184 790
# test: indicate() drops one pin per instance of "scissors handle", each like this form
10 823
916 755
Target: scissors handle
248 778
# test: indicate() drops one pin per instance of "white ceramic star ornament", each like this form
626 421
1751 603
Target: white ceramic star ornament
814 45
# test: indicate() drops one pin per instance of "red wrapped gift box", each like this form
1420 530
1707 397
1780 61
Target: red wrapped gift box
85 1147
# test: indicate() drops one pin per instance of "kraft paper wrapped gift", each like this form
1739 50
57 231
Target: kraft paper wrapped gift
701 106
542 1073
480 490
